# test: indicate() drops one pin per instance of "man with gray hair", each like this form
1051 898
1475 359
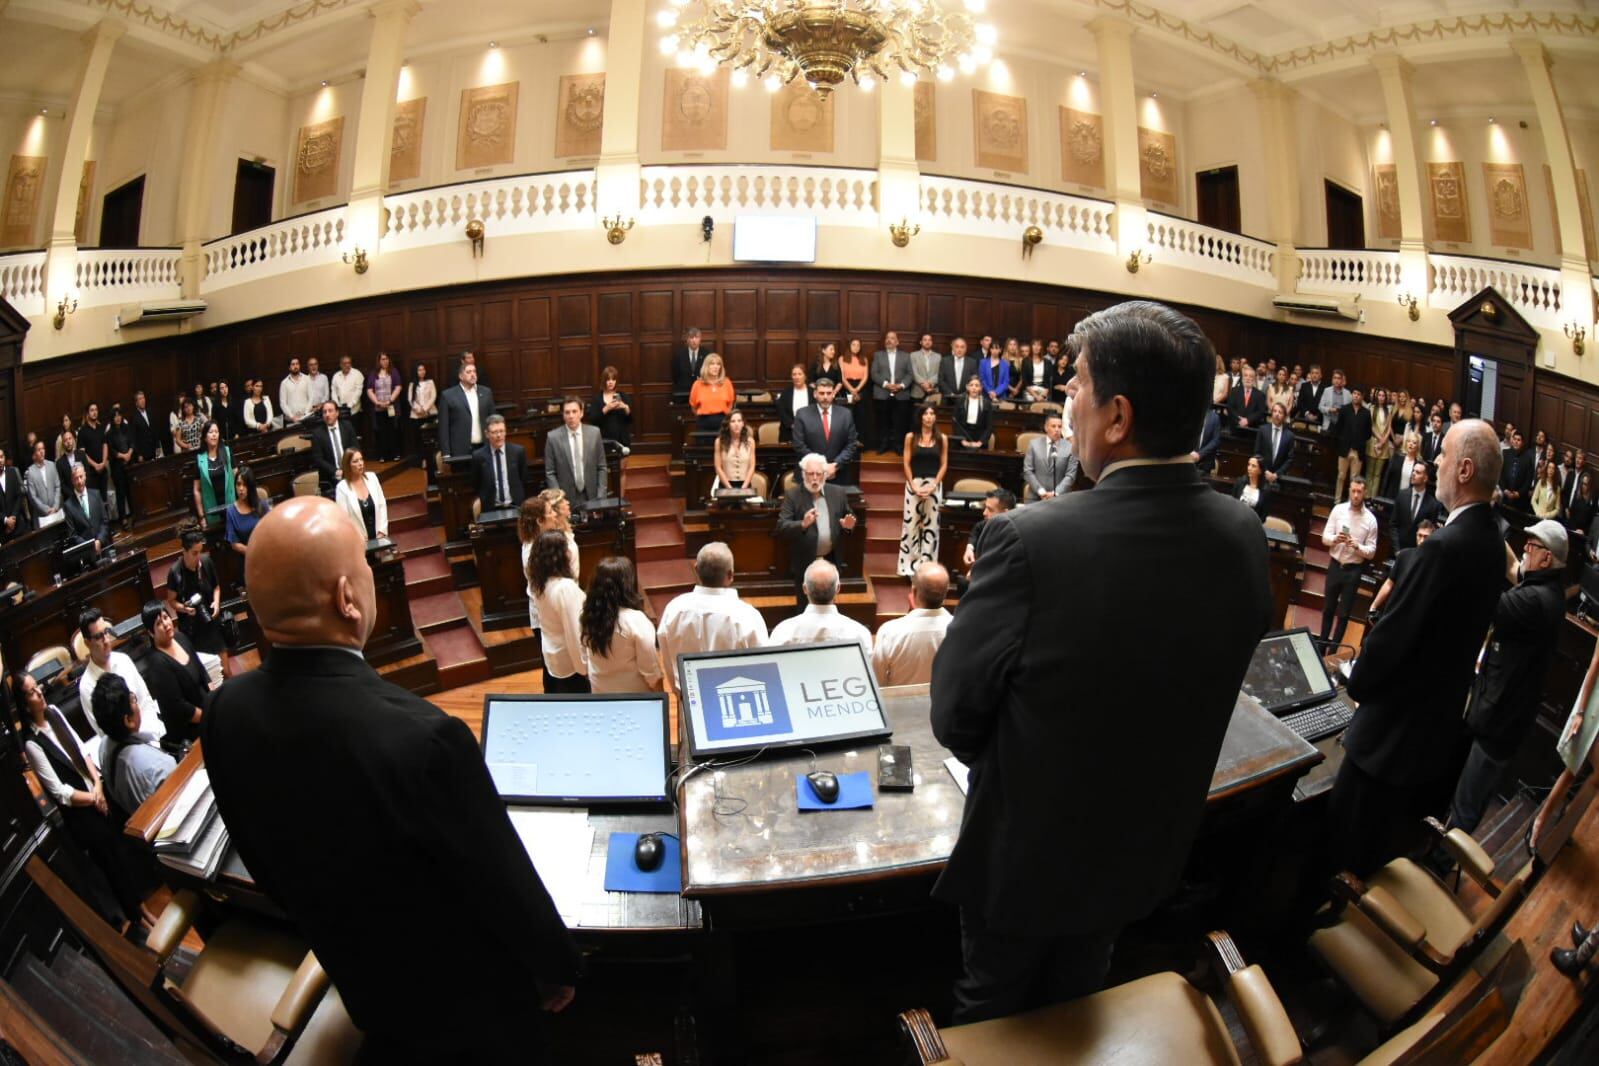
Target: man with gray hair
499 470
906 646
815 518
1403 749
711 617
821 619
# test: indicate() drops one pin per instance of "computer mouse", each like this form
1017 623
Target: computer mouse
648 852
825 784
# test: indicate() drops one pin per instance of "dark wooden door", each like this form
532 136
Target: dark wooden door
1346 218
1218 199
252 195
119 219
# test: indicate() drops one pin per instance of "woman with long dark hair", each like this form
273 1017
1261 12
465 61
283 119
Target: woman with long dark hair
177 678
735 452
422 401
382 394
926 459
611 411
618 635
214 475
560 605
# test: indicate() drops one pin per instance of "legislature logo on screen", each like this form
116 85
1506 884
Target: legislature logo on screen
744 701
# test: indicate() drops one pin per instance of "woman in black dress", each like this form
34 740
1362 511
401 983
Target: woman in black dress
611 411
176 678
194 575
926 456
119 446
973 417
1253 489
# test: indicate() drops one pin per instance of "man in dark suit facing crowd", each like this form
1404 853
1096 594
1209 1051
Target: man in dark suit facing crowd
499 470
1518 475
146 442
391 804
828 430
574 456
1037 651
85 511
686 364
329 439
1307 402
1246 405
815 518
953 370
891 393
1274 443
464 411
1414 503
1403 749
1432 441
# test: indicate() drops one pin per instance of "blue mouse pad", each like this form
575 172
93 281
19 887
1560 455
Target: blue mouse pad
623 875
854 791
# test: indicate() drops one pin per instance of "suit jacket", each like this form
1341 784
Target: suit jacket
802 541
1262 503
1408 513
146 438
515 474
1022 684
1352 429
902 375
64 465
1307 402
1517 475
683 375
1036 467
1432 445
390 804
1254 411
1411 678
559 472
86 526
1209 442
322 457
1280 462
13 502
924 367
1526 624
982 428
1022 376
455 419
1568 487
838 447
785 411
952 382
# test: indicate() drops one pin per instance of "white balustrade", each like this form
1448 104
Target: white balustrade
125 275
1534 291
533 203
1179 242
306 240
981 209
22 282
1373 275
684 194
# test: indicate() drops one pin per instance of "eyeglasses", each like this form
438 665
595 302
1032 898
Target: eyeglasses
104 634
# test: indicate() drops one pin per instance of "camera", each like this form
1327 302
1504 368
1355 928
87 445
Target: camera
201 614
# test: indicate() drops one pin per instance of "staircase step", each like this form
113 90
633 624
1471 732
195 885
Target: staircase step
438 611
407 514
458 654
666 574
884 563
417 541
90 1012
426 575
656 532
656 506
634 491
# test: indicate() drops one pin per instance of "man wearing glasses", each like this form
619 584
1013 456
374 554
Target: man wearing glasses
96 631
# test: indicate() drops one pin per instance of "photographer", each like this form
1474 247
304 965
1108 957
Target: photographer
195 596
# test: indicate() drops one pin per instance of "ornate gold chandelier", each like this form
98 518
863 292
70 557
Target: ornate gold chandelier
826 41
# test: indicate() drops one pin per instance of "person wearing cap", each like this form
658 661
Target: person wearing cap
1504 695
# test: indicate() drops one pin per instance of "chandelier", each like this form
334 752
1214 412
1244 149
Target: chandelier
826 41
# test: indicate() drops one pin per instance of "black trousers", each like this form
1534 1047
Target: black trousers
893 422
1007 973
124 486
1338 598
123 868
576 683
387 431
1371 821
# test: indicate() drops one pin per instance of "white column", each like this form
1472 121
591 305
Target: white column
61 264
374 129
1415 222
899 179
1276 102
616 175
1118 100
199 158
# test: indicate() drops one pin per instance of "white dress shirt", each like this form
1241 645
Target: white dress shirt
348 388
527 558
58 790
819 622
319 389
471 410
1362 529
561 635
706 619
574 441
974 409
633 663
905 647
802 398
149 710
294 397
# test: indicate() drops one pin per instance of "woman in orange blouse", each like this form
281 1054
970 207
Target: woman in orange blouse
855 371
712 395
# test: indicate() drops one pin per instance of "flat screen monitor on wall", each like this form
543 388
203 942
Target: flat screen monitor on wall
774 239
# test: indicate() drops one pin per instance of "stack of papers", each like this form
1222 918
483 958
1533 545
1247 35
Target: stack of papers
193 838
560 843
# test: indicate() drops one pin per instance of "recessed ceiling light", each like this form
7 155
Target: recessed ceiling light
324 83
1154 96
591 31
1434 122
494 44
44 111
1082 73
1490 120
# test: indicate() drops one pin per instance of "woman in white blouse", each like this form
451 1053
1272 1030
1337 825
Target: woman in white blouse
560 604
258 414
618 636
549 510
1222 383
422 399
361 495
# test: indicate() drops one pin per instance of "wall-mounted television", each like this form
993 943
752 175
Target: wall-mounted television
774 239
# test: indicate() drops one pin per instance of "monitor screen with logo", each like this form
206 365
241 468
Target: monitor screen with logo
796 696
577 750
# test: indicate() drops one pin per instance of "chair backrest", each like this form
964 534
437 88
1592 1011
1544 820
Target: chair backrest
306 484
289 445
80 647
1281 525
477 508
766 433
974 484
759 483
57 654
1025 440
788 482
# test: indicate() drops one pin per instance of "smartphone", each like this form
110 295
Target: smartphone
894 770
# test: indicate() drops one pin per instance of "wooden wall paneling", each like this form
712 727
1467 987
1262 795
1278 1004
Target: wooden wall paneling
698 310
977 318
496 321
1545 415
1046 321
329 345
940 318
574 369
460 324
654 365
1591 431
655 311
360 341
538 368
498 368
302 344
614 313
864 316
392 334
905 317
422 328
781 355
782 311
822 320
1510 398
1573 424
742 361
533 318
621 354
740 311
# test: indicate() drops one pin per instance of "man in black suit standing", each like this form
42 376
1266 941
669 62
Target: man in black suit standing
146 442
828 430
499 470
891 393
464 411
85 511
329 439
1246 405
369 817
1037 652
686 364
1519 473
1307 402
953 370
815 518
1413 503
1571 488
1432 441
71 456
1204 456
13 501
1403 749
1274 443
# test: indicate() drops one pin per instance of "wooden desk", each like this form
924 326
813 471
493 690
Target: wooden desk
31 558
119 589
165 486
760 555
955 524
497 551
393 634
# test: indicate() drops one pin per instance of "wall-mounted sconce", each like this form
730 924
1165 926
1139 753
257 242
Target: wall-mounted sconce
1032 237
1577 334
616 229
357 259
1489 310
1411 305
69 304
902 233
1138 259
474 233
707 228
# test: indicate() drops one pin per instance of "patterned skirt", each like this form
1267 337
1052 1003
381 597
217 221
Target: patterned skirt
918 539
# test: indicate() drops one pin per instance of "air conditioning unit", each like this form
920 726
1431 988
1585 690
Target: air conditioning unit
1311 304
159 311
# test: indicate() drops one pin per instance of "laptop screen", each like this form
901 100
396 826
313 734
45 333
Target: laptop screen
1286 672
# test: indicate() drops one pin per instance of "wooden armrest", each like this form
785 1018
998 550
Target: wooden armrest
1389 915
1270 1032
174 924
1474 862
300 998
918 1027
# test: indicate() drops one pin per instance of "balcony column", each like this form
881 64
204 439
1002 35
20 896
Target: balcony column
1415 222
899 179
199 156
61 263
1118 99
1276 103
374 129
617 175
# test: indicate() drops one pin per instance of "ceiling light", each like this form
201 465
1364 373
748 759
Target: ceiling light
669 44
907 78
1154 96
1082 73
1490 120
591 31
741 78
494 44
1434 122
324 83
867 83
666 18
773 83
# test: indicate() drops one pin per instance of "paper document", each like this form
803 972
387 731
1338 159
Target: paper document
959 771
560 843
198 785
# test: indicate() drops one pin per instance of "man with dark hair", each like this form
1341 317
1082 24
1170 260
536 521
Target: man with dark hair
1351 430
686 364
828 430
995 502
1517 477
1414 504
1307 402
146 442
95 629
329 440
1432 442
1350 537
1274 443
1041 651
131 764
1246 404
464 410
574 456
1049 468
13 501
71 456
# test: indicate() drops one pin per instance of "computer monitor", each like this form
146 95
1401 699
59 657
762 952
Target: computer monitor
578 750
799 696
1286 672
77 558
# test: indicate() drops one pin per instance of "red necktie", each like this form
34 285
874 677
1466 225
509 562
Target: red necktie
827 424
1246 397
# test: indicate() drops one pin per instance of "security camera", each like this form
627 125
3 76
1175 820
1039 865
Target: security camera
707 227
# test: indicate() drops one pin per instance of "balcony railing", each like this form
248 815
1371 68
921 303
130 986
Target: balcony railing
1366 273
305 240
115 276
1185 243
538 203
1532 290
22 282
837 196
980 209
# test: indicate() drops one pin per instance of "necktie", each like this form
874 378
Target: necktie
1276 442
501 496
577 460
1052 480
693 361
1246 397
827 425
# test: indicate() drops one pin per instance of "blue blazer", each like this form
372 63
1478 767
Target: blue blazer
994 385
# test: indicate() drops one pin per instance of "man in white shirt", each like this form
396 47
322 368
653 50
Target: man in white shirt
348 384
1350 537
320 391
709 618
821 619
96 631
294 395
1333 399
906 646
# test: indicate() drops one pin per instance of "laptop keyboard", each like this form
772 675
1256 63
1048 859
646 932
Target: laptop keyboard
1322 720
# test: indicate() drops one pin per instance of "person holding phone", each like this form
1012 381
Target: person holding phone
1351 539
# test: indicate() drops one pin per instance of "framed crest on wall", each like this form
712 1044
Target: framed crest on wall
405 147
579 114
1157 166
1082 148
1509 219
1386 181
926 124
316 160
999 131
802 119
24 190
694 107
80 224
487 134
1451 219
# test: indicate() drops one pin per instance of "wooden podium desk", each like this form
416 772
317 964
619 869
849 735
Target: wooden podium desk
497 552
760 554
